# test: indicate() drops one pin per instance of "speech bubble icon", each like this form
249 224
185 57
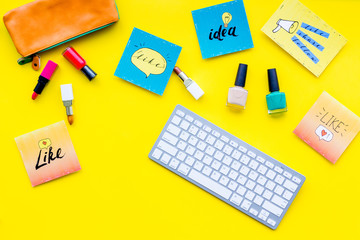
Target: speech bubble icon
149 61
44 143
323 133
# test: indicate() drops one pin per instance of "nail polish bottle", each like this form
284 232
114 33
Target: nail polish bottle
237 95
276 101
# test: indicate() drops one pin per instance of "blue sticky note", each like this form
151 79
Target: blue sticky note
148 61
222 29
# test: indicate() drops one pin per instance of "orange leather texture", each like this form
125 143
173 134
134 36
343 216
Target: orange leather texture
44 23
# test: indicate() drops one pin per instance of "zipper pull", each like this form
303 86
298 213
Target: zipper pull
35 59
36 62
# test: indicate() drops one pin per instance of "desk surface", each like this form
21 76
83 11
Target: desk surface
120 193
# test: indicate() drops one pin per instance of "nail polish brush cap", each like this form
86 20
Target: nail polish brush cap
273 80
241 75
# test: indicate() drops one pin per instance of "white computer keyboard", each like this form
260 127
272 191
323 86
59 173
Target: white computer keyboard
226 167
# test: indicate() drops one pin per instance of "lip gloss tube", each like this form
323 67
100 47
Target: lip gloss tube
44 78
78 62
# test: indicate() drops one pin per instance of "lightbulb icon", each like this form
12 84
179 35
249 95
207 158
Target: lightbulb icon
226 17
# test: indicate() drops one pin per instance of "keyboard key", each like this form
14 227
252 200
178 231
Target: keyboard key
250 184
234 144
278 169
165 158
184 135
202 135
271 222
207 128
219 144
260 159
236 199
263 215
210 140
174 163
184 169
210 184
210 150
180 113
290 185
246 205
215 175
198 123
215 133
287 195
279 190
182 145
270 185
296 180
216 165
218 155
253 175
225 139
272 208
269 164
235 165
241 190
189 161
233 175
167 148
233 185
193 130
251 154
249 195
245 159
262 169
279 201
224 180
253 164
176 120
267 194
271 174
227 160
244 170
261 180
198 165
253 212
173 129
241 179
157 153
189 118
279 179
207 160
193 140
258 200
199 155
201 145
287 174
243 149
207 171
259 189
224 169
228 149
236 154
181 156
170 138
190 150
184 125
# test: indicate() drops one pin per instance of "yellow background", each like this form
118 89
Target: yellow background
120 193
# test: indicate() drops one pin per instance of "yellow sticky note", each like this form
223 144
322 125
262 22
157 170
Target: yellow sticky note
328 127
304 36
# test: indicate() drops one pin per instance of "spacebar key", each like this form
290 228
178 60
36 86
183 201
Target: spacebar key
210 184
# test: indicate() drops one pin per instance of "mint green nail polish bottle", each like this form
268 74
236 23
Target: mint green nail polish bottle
276 100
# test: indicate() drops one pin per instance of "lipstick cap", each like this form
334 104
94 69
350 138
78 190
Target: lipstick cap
195 90
89 73
66 92
49 69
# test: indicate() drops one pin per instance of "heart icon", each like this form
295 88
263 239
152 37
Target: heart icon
323 133
45 142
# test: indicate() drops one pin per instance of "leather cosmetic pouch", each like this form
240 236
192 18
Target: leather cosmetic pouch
45 24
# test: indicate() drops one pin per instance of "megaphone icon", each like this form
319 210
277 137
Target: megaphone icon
289 26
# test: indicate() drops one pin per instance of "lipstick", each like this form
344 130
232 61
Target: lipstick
44 78
78 62
190 85
67 98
